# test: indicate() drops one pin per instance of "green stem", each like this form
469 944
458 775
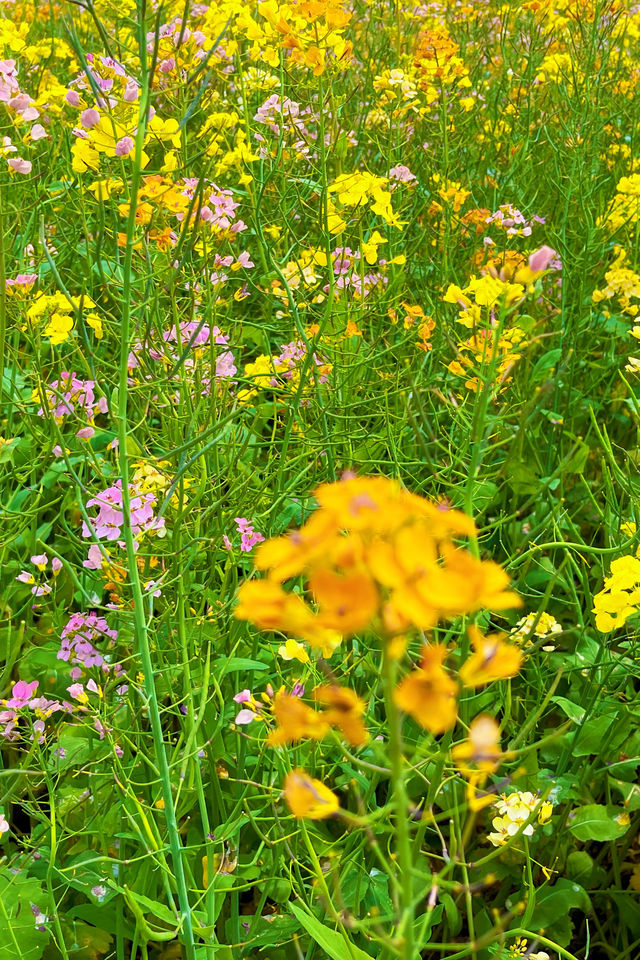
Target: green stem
140 620
400 803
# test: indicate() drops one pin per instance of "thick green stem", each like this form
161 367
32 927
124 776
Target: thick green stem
400 803
140 619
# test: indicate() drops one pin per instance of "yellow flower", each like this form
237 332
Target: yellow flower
292 650
514 810
309 798
480 753
372 549
295 721
59 328
428 694
345 711
620 597
492 659
93 320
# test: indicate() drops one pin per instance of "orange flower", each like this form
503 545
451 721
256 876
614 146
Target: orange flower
429 693
345 712
371 546
492 659
346 603
295 720
266 604
309 798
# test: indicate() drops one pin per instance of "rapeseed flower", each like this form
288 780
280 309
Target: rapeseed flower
309 798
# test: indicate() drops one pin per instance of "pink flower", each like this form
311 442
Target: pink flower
21 693
18 165
124 147
94 558
245 696
401 173
89 118
226 543
56 566
85 433
72 98
245 716
540 259
38 132
130 91
225 365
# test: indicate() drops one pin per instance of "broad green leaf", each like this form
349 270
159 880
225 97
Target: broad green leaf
237 665
338 947
597 822
573 710
20 938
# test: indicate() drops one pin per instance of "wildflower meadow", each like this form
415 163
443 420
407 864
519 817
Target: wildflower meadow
320 480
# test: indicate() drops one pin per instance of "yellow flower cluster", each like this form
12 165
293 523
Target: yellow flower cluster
514 809
624 210
481 347
372 553
57 312
310 32
439 67
621 283
357 190
620 597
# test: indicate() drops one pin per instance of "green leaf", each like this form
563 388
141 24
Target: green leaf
454 918
554 903
597 822
19 936
331 942
237 665
573 710
546 362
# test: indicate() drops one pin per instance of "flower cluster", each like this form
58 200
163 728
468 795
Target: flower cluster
78 641
372 552
620 597
71 396
23 704
514 810
107 524
40 562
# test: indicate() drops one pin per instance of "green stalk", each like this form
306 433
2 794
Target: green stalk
400 803
141 630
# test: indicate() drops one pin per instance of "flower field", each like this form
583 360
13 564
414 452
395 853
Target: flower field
320 467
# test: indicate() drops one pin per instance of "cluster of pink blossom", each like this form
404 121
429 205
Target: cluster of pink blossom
285 118
219 208
100 74
40 562
344 262
177 34
248 536
23 106
190 335
291 355
401 174
512 221
70 395
20 284
109 520
78 638
22 699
